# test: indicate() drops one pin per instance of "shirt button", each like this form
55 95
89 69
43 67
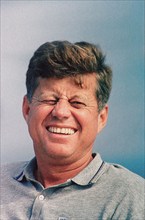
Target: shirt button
41 197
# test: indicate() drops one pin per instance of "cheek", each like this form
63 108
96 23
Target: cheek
87 120
34 122
38 114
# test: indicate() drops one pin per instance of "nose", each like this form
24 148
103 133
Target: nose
62 109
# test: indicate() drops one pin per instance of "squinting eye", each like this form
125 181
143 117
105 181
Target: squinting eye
76 104
49 102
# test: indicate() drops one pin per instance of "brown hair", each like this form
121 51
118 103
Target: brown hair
61 59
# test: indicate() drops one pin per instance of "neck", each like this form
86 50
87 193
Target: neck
50 174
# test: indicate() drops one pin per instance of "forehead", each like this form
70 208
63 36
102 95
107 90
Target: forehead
74 84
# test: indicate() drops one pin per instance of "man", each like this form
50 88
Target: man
68 87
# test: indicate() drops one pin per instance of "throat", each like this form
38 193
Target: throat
51 176
50 180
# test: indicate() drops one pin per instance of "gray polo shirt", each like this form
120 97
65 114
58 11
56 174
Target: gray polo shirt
101 191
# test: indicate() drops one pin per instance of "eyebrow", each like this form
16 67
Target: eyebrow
56 95
79 97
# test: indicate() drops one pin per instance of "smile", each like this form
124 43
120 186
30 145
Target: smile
68 131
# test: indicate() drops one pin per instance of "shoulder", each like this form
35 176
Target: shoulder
119 182
128 189
10 184
119 173
122 191
11 170
124 183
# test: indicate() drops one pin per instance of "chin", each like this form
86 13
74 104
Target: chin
59 151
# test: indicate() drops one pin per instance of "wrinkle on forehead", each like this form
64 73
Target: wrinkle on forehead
59 95
81 88
80 81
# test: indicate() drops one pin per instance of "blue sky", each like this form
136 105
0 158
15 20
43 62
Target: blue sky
118 27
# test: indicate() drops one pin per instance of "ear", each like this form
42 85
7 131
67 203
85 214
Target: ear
102 118
26 108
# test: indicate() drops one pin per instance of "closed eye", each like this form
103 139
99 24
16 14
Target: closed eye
49 101
77 104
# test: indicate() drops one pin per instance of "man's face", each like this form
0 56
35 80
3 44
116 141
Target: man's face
63 118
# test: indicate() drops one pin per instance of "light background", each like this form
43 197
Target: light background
118 27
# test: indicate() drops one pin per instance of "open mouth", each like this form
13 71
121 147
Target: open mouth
66 131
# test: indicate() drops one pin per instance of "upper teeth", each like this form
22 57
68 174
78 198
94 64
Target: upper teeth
61 130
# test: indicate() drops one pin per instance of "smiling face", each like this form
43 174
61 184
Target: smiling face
63 118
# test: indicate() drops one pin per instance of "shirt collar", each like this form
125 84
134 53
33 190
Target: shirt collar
26 172
87 176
